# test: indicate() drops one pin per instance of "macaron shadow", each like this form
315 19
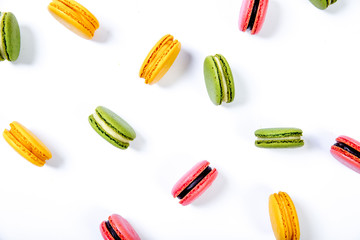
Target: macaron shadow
101 35
28 50
241 94
213 192
272 20
306 231
179 67
138 143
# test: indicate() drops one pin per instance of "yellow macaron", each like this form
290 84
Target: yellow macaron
283 217
75 17
160 59
27 144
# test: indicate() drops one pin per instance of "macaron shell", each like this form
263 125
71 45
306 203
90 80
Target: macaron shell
116 122
278 132
71 20
212 80
229 79
123 228
349 141
279 143
346 158
105 232
245 14
200 188
188 177
321 4
11 32
260 16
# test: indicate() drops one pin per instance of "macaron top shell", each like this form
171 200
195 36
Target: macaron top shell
322 4
260 16
245 14
10 37
116 123
277 132
122 228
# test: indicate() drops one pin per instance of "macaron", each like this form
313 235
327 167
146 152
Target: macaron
219 80
322 4
278 137
112 128
160 59
194 183
75 17
283 217
347 151
252 15
27 144
9 37
117 228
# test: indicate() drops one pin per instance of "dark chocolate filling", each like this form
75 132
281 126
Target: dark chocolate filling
253 14
112 231
194 183
348 149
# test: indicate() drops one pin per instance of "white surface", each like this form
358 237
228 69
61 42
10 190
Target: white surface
302 70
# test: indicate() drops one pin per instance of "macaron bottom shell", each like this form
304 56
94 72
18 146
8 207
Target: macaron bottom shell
322 4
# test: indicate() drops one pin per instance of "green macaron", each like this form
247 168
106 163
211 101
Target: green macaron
111 127
9 37
278 137
219 79
322 4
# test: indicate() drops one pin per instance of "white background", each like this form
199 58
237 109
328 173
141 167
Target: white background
301 70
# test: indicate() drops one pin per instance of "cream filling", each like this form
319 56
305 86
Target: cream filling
109 130
276 139
223 80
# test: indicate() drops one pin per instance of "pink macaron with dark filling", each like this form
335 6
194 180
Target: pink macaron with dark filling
117 228
252 15
347 151
194 182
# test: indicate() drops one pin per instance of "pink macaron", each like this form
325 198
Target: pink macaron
194 182
347 151
252 15
117 228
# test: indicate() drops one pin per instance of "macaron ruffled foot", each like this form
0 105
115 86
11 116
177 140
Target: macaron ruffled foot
75 17
283 217
160 59
279 137
9 37
194 182
27 144
219 80
322 4
117 228
111 127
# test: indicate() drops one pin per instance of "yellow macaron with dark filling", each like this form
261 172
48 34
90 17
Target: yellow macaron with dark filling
27 144
283 217
75 17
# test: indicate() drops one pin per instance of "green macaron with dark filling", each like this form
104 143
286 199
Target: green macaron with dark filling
9 37
111 127
322 4
219 79
279 137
